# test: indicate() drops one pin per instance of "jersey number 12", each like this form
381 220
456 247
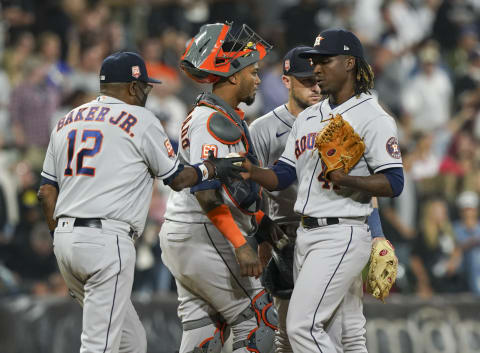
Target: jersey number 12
84 152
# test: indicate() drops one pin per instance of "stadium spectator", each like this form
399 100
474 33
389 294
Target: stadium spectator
34 261
58 70
16 55
32 105
435 259
85 74
467 231
427 96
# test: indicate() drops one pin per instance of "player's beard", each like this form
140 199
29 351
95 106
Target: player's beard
302 103
249 100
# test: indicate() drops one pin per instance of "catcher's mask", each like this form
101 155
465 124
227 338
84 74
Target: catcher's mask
215 52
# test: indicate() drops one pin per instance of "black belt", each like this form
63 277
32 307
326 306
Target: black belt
88 222
311 223
96 223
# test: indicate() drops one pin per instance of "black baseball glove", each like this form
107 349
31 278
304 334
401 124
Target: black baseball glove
226 167
269 231
277 277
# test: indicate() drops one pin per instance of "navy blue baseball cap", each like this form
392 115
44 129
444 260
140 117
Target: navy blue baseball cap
336 42
124 67
295 65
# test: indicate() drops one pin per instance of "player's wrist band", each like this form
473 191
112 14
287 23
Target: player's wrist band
202 171
375 225
222 218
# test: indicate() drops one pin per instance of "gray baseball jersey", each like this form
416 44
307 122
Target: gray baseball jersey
194 143
316 196
104 155
269 135
198 255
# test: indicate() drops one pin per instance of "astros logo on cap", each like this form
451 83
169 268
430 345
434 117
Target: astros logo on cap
135 71
287 65
318 40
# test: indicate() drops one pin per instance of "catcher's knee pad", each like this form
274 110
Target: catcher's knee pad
214 343
261 338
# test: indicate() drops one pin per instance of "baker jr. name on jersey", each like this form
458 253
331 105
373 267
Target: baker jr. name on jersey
123 120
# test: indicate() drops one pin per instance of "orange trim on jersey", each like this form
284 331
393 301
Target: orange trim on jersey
222 218
240 113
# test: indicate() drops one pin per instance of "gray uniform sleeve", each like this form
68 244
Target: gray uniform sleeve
289 154
382 150
158 151
260 143
49 171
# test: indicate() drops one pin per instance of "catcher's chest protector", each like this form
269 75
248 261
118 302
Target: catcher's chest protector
226 126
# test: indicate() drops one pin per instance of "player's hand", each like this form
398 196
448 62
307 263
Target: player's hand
248 260
247 166
336 176
264 253
225 168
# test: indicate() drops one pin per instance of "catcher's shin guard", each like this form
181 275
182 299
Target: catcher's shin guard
211 344
261 338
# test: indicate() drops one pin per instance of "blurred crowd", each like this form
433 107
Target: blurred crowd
425 55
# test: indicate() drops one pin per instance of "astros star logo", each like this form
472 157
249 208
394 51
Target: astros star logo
393 148
318 40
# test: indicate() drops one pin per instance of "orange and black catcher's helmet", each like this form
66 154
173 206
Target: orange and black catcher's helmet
215 52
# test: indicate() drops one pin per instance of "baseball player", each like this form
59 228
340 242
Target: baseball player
97 181
333 242
269 136
203 239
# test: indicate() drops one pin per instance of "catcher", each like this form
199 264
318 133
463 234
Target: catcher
355 157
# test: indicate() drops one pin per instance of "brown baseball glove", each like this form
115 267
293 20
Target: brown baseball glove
339 145
382 270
